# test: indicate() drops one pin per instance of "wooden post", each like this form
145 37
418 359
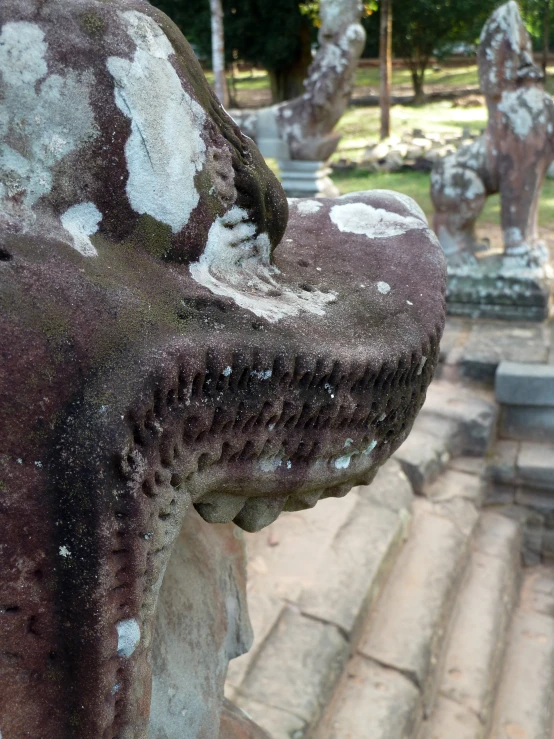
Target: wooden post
385 55
218 53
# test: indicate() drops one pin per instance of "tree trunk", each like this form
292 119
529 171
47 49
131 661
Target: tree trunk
288 82
546 35
218 53
418 75
385 55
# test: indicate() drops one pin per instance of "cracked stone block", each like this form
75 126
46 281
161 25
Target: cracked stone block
352 573
372 701
310 653
407 626
277 723
452 720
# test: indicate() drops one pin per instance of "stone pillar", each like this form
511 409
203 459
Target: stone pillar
181 359
305 179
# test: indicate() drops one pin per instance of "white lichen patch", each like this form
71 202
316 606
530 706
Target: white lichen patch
384 288
457 179
81 221
270 464
128 637
227 371
45 117
261 374
165 149
523 110
22 53
236 264
375 223
415 209
366 452
343 463
64 551
308 207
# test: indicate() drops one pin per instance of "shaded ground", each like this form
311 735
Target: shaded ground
251 89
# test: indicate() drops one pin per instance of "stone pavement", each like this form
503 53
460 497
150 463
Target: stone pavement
403 611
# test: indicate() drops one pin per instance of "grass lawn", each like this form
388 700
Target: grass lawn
462 77
455 77
416 185
360 126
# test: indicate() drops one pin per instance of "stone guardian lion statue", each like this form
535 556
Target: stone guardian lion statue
510 158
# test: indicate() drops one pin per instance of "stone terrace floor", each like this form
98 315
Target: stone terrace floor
422 606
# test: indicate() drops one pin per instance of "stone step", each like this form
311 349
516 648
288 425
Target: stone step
313 575
454 421
407 627
525 705
389 683
525 392
519 383
522 465
479 347
373 702
473 411
535 466
474 653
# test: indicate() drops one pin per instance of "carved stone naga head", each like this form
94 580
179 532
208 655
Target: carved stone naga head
505 53
170 340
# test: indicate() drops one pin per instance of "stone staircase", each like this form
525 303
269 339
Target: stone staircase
402 610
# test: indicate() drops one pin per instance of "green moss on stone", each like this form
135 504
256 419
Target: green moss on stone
152 235
92 24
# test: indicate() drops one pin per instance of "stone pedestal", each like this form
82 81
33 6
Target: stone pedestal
306 179
493 286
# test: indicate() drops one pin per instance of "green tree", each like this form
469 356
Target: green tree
275 35
537 15
425 28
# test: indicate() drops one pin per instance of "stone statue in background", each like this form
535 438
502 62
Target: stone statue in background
180 359
302 130
510 158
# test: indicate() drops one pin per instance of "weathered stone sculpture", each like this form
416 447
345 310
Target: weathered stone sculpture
174 357
511 158
300 133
